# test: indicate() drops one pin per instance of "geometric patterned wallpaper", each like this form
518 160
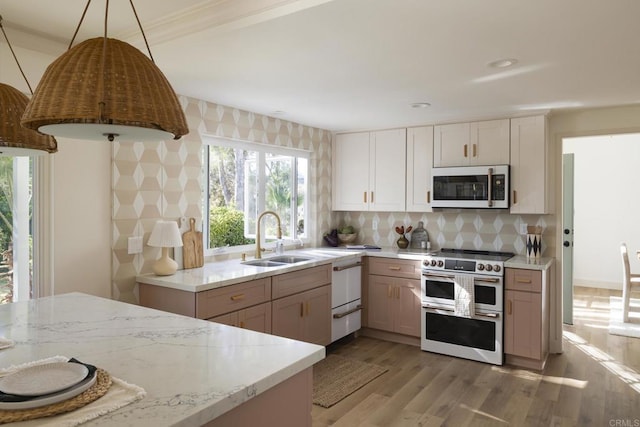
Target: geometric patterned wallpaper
469 229
154 180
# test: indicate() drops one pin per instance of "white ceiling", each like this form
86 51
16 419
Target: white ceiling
359 64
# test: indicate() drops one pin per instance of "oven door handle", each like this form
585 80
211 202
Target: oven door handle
476 279
346 313
450 309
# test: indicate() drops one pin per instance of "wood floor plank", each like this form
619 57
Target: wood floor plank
590 384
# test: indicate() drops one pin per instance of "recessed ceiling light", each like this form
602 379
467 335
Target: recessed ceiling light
420 105
503 63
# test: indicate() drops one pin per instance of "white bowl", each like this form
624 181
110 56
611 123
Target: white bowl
347 238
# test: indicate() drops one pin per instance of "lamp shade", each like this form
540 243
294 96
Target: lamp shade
15 139
104 88
165 234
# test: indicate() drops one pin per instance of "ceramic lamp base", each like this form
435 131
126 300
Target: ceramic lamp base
165 266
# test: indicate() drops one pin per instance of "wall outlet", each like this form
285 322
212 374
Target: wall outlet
134 245
523 229
374 225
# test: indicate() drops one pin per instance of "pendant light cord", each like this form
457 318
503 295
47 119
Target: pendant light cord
15 57
144 36
79 24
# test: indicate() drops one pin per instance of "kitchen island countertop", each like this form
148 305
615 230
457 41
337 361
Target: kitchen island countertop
193 371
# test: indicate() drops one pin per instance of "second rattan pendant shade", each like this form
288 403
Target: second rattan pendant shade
127 97
15 137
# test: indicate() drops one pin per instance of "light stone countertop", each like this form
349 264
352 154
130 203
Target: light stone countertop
521 261
192 370
224 273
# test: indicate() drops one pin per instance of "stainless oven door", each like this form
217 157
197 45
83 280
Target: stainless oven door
438 288
477 338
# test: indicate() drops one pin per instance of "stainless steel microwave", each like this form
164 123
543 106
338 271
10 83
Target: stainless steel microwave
476 187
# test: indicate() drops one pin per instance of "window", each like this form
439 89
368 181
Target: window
245 179
16 239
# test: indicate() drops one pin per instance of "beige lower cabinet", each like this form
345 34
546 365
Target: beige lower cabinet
256 318
526 322
301 306
393 296
304 316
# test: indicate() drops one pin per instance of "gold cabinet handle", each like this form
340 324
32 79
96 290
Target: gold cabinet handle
389 291
428 196
372 197
394 268
241 324
509 307
465 150
301 309
474 150
365 197
398 292
237 297
308 308
515 200
523 280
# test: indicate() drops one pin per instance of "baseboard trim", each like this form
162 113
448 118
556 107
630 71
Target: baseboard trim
389 336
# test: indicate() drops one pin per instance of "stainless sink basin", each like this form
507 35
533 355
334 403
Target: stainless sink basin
276 261
289 259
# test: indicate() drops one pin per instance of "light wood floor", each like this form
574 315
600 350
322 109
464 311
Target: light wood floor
595 382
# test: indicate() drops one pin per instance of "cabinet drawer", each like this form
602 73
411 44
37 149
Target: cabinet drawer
518 279
299 281
231 298
405 268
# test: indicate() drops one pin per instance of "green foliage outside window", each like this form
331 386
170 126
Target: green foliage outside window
227 227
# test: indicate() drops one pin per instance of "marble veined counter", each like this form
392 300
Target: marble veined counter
192 370
224 273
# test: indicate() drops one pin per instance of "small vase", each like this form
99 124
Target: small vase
402 242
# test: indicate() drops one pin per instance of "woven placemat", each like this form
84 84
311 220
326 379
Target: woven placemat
99 389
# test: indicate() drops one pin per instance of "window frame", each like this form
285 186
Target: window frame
208 140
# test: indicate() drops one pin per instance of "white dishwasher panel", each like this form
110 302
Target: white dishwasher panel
345 319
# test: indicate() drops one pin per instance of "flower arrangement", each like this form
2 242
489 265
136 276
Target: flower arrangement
403 242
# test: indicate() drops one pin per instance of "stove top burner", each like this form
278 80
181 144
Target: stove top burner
473 254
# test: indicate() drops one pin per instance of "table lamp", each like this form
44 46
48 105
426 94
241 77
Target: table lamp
165 235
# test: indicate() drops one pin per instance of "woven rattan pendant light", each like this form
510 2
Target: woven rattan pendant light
104 88
14 139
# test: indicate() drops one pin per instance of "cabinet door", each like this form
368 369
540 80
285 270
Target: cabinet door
407 307
451 145
489 142
350 191
230 319
317 319
387 173
380 308
287 317
523 324
529 151
419 164
256 318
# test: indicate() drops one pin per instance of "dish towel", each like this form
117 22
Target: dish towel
464 295
119 395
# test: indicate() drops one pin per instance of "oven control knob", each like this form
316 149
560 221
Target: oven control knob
480 267
433 263
496 268
440 263
489 267
425 263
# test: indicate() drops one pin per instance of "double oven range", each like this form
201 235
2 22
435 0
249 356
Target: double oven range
477 336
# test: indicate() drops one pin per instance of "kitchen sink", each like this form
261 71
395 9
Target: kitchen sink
276 261
289 259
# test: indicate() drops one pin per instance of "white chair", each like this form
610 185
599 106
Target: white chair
630 282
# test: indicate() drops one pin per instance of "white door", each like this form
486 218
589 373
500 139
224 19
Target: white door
387 176
351 172
567 238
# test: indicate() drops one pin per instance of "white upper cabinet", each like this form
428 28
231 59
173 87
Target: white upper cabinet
476 143
369 171
530 190
419 161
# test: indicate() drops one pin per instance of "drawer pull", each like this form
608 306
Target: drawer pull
346 313
241 324
394 268
509 307
523 280
237 297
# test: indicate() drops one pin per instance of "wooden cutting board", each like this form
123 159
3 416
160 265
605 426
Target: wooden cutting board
192 252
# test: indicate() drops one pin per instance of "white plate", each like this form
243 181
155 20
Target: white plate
43 379
50 399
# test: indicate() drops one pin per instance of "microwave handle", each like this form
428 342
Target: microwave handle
490 195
